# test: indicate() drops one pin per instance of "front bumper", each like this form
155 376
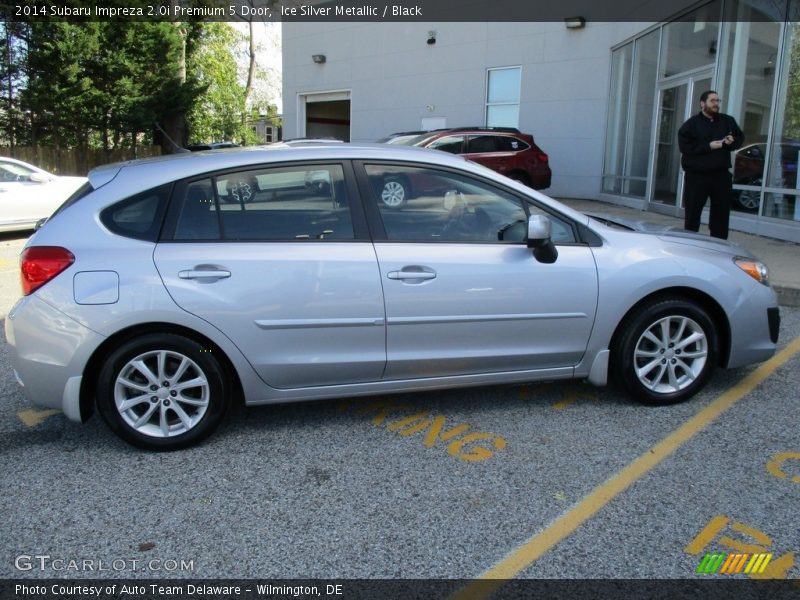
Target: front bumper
774 321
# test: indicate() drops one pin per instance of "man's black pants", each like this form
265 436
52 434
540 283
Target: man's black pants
697 187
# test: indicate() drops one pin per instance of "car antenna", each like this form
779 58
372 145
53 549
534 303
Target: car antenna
178 149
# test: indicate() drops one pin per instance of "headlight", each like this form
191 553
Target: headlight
756 269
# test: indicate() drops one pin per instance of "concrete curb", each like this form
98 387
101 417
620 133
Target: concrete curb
787 296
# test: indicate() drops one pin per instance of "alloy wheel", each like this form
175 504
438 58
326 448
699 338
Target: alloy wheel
670 354
161 393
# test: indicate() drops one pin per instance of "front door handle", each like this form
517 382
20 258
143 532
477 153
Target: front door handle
204 273
412 274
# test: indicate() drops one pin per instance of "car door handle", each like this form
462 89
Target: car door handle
412 273
204 274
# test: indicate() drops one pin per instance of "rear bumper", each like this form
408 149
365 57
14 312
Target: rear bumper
48 351
540 180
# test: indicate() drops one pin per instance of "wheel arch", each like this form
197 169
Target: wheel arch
95 362
711 306
519 175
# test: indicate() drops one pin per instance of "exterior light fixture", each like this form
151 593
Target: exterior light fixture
318 58
431 38
575 22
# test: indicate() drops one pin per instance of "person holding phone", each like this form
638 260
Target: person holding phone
706 141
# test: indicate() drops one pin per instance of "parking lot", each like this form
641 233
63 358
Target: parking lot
557 480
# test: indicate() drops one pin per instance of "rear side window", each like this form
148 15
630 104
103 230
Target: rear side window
510 144
140 216
454 144
270 204
483 143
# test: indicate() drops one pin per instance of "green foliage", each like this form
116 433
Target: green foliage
217 114
113 84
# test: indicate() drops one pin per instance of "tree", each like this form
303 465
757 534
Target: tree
218 112
11 59
115 84
102 84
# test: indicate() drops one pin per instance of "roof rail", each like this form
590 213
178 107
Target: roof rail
500 129
316 140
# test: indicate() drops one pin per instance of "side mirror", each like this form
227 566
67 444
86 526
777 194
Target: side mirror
38 178
539 239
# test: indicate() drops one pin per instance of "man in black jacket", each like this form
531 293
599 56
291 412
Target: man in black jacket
706 141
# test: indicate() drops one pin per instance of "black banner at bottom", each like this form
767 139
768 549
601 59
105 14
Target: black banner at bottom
405 589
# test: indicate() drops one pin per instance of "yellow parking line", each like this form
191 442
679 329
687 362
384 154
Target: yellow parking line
32 418
531 550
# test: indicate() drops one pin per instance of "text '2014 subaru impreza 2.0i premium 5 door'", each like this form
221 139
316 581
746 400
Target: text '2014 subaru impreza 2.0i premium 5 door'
159 295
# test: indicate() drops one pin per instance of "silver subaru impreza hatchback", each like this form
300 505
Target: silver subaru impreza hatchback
168 288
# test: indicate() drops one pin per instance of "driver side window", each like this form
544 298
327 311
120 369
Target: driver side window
14 172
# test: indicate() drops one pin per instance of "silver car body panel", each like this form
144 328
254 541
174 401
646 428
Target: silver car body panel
303 313
307 320
487 307
48 349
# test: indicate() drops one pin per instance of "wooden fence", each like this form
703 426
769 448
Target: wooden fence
69 161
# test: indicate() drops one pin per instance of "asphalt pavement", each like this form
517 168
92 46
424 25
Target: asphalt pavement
782 258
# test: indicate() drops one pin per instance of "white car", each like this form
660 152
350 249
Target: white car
29 194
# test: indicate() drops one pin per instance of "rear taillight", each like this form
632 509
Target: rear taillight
540 156
40 264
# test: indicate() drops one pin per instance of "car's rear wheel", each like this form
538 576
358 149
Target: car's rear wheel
162 392
395 192
666 351
521 177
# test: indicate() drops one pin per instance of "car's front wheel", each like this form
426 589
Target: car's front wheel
666 351
162 392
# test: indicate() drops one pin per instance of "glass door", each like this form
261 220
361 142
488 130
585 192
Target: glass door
671 115
677 101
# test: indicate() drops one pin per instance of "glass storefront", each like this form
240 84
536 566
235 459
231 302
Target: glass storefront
633 77
752 58
783 148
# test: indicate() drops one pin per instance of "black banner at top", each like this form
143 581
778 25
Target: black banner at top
298 11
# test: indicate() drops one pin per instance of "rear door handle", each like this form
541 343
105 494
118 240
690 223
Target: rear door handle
412 273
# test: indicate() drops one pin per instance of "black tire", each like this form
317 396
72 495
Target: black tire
655 372
521 177
179 361
394 192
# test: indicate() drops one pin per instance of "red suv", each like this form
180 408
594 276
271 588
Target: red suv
502 149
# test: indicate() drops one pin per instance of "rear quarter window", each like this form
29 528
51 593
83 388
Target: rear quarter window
140 216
